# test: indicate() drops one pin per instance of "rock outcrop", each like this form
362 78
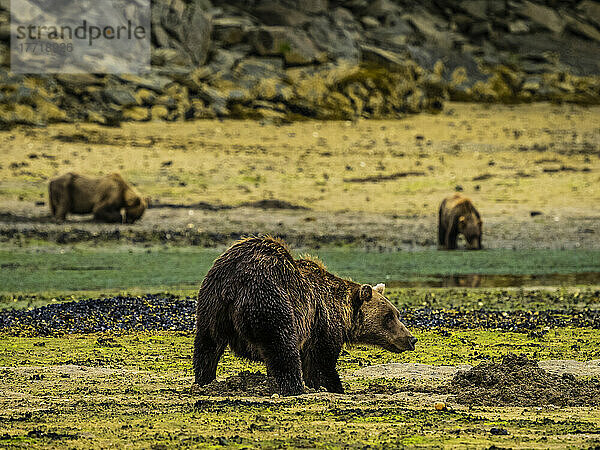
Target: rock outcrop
326 59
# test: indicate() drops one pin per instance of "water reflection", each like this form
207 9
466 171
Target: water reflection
478 280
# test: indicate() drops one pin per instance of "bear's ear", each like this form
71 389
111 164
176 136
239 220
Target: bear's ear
379 288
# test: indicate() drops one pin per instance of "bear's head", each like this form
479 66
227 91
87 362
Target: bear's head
377 321
135 205
470 227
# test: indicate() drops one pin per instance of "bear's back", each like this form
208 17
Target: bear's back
459 204
255 257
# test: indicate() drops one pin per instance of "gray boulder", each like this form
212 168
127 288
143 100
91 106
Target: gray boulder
150 81
591 9
334 40
223 61
381 57
434 29
546 18
293 45
213 96
518 27
310 6
381 8
480 29
77 83
250 71
475 8
272 12
170 56
344 19
356 6
185 25
582 29
370 22
230 30
119 96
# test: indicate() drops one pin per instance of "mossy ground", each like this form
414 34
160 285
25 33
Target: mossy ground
133 390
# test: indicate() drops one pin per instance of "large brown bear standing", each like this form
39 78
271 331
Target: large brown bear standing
292 314
457 215
104 197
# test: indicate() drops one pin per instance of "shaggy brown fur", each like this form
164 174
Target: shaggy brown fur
104 197
292 314
457 215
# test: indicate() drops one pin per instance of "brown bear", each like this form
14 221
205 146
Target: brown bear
457 215
291 314
104 197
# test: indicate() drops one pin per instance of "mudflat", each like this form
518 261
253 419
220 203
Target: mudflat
531 170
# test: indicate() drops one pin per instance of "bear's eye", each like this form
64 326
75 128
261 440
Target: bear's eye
389 318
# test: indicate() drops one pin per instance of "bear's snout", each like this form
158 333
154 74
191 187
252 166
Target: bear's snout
473 245
413 341
404 344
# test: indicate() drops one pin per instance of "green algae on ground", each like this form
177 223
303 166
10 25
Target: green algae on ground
167 351
134 389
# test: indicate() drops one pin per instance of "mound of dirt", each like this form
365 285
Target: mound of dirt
519 381
244 384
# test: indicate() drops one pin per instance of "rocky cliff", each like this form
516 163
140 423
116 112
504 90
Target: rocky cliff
326 59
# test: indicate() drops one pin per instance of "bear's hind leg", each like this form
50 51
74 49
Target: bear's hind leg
283 363
207 353
51 201
265 319
59 202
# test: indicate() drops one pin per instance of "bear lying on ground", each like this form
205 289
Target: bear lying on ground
104 197
457 215
291 314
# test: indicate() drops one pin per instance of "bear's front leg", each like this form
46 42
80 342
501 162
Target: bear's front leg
107 214
331 379
328 356
207 353
451 237
311 373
